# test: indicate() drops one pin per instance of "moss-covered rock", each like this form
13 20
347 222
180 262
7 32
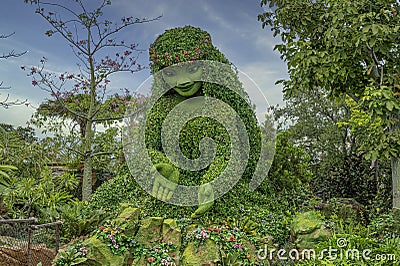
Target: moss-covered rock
305 223
161 239
150 231
128 220
99 254
206 254
308 229
171 232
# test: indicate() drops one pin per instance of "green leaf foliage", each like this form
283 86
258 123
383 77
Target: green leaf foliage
347 48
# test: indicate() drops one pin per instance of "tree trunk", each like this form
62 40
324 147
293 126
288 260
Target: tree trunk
87 164
395 165
89 132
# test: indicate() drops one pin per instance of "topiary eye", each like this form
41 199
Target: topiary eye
169 73
193 69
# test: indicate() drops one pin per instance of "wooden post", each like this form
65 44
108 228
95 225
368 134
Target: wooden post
57 235
28 253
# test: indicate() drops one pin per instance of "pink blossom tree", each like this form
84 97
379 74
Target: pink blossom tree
85 97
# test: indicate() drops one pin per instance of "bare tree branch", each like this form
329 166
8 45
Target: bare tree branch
5 103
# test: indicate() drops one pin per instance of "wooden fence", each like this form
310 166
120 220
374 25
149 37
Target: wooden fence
25 243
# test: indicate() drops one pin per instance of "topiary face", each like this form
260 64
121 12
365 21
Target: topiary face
184 79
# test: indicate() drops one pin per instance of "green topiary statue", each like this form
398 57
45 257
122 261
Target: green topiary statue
175 53
174 48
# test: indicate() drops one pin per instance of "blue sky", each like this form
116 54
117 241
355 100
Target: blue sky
232 24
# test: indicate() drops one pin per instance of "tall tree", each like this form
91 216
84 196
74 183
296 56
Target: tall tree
90 38
346 47
319 125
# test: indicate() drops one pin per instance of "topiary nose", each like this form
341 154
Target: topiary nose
184 81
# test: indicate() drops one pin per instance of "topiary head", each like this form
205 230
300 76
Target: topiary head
183 44
179 45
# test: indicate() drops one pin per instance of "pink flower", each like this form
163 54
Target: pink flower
238 246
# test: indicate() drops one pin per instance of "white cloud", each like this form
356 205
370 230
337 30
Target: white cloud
265 76
233 27
16 115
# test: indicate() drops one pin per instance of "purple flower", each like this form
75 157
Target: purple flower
237 246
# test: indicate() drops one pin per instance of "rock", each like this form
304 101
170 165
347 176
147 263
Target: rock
149 232
156 238
128 214
154 230
128 220
347 209
99 254
171 232
308 229
206 254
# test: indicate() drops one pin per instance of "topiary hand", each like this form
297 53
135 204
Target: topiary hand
206 200
162 189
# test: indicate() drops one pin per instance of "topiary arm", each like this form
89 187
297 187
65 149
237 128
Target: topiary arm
163 189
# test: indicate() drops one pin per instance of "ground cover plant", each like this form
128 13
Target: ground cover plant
333 182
